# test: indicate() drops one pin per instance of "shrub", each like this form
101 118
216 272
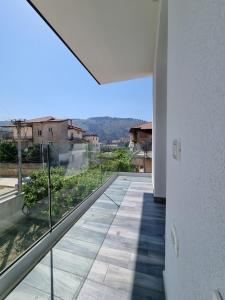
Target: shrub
8 152
119 160
68 191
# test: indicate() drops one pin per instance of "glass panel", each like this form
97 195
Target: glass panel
127 159
117 159
75 174
24 206
64 270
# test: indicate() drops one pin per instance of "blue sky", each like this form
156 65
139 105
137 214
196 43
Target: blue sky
39 76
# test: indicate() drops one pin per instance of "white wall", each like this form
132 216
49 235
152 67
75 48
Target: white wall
196 116
159 106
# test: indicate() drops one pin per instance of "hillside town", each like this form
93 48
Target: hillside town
66 135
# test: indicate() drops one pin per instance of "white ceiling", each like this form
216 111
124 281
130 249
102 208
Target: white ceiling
114 39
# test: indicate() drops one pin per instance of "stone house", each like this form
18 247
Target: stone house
48 130
93 140
141 146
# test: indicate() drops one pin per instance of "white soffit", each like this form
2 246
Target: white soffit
113 39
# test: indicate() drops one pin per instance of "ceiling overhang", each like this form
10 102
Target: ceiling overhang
113 39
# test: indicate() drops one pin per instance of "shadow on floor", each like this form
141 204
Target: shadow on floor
150 252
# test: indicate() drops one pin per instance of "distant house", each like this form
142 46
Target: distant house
123 141
78 156
141 136
48 130
141 146
75 134
92 139
5 134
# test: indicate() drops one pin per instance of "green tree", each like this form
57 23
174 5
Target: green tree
32 154
8 152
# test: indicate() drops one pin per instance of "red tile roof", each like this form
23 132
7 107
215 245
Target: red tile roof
75 127
37 120
143 126
45 119
42 119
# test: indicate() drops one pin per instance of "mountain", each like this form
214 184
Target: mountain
3 123
107 128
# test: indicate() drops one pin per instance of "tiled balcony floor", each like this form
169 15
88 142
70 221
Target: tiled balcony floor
115 251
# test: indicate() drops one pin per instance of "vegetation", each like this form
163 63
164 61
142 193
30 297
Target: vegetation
119 160
68 191
32 154
8 153
19 237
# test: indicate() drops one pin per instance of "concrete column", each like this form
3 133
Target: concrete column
160 107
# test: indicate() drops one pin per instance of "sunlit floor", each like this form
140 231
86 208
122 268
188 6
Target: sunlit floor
115 251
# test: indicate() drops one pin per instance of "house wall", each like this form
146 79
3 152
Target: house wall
143 136
76 133
140 137
196 117
92 139
59 132
133 137
26 133
144 164
160 106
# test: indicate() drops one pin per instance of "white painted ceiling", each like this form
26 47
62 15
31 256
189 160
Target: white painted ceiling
114 39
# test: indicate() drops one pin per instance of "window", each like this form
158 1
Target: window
50 130
39 132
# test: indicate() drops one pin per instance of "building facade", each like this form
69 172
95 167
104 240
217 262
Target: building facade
141 146
141 137
47 130
92 139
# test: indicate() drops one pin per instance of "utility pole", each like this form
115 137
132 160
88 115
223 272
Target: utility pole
18 124
42 155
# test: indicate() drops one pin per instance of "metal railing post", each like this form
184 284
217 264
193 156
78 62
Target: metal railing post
49 187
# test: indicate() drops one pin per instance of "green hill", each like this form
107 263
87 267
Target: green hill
108 128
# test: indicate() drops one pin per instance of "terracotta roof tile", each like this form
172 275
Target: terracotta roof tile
44 119
143 126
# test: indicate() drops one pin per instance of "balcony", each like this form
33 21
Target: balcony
114 251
